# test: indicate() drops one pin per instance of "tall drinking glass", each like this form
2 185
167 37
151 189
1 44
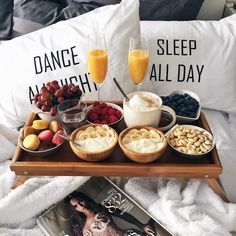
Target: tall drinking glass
97 59
138 59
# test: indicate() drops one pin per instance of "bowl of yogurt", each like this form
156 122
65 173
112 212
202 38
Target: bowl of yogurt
145 108
142 144
93 142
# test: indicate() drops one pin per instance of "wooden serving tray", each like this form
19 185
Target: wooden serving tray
65 162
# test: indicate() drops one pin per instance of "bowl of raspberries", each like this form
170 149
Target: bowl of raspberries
104 113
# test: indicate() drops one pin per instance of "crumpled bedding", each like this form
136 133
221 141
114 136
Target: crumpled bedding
186 207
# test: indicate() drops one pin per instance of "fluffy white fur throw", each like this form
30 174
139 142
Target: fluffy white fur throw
186 207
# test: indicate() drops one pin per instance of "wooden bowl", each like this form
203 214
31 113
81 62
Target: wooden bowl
92 156
138 156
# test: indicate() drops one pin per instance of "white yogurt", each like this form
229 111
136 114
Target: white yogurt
145 145
95 144
143 103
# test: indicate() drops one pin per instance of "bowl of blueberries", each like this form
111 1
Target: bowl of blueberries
185 103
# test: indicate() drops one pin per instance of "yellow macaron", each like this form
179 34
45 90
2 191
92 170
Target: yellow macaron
40 124
31 142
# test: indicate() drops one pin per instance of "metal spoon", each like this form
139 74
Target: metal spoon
167 133
121 90
66 137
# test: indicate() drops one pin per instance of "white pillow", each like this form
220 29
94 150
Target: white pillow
204 50
25 62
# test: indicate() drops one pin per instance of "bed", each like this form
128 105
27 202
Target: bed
23 199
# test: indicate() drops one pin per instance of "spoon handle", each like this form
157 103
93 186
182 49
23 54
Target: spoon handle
68 138
121 90
167 133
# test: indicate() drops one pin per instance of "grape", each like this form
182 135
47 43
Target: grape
60 99
45 97
59 93
50 89
52 94
53 111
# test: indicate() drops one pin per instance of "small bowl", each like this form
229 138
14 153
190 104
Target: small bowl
112 105
92 156
43 115
39 153
138 156
185 119
187 155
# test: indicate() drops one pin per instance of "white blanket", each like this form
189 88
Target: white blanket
186 207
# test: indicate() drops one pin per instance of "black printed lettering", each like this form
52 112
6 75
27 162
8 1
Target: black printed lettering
190 74
160 51
153 74
183 47
38 65
55 60
199 70
74 56
63 52
181 73
192 46
47 63
176 46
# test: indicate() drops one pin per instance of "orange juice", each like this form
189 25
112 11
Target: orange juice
97 64
138 64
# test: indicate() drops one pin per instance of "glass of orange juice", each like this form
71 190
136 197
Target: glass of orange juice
97 59
138 59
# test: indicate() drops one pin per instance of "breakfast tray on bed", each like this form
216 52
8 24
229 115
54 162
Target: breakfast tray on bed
65 162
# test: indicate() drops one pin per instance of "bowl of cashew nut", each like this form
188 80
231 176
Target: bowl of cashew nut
191 141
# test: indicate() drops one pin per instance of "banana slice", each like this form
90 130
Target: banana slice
83 136
135 136
142 131
103 133
126 140
94 134
153 134
133 131
90 128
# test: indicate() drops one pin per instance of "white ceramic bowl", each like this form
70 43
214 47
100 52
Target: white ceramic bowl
192 156
112 105
185 119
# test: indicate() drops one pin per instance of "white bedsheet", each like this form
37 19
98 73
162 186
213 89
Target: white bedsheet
225 136
174 198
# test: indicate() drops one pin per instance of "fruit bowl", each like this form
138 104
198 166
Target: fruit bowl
142 133
87 133
185 103
51 95
104 113
41 139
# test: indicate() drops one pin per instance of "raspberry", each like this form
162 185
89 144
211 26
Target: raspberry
96 122
93 116
96 104
118 114
104 122
113 119
103 105
96 110
111 111
104 111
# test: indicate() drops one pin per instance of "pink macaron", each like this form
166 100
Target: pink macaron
46 136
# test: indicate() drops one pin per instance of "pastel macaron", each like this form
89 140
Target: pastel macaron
31 142
45 135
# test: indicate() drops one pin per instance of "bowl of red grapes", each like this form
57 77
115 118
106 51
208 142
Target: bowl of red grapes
104 113
51 95
185 103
